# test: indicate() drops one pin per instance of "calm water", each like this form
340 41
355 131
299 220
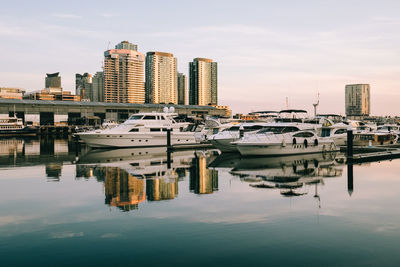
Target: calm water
61 204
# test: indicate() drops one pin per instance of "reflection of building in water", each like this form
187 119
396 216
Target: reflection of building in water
11 146
181 172
202 180
161 188
84 171
123 190
53 171
32 147
60 147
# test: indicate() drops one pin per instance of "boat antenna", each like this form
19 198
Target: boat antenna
315 106
287 103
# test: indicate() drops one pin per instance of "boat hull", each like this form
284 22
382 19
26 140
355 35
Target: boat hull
224 145
136 140
27 131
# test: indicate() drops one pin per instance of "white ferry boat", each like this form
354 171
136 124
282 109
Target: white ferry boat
142 130
13 126
284 139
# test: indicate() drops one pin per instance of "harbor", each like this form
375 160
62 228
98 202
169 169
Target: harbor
200 133
217 198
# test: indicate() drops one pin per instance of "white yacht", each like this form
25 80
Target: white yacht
109 124
389 128
224 139
337 132
213 126
284 139
142 130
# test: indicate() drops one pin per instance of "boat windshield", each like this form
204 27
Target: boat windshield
248 128
278 129
136 117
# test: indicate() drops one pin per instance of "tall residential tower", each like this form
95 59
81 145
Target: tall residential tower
203 88
98 87
83 85
357 99
161 76
182 87
124 74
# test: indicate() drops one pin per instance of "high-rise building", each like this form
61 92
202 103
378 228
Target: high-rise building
98 87
124 75
83 86
53 80
161 76
357 99
126 45
203 89
182 81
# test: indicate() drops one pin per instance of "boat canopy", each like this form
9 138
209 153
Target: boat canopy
293 111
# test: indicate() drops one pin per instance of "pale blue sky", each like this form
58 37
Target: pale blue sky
266 50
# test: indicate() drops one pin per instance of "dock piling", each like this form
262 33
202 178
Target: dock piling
349 144
169 148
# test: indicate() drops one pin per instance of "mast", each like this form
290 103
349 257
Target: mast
315 106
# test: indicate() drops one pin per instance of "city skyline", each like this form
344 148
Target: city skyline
274 51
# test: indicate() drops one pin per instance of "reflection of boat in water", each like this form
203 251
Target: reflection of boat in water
285 173
140 162
225 161
284 168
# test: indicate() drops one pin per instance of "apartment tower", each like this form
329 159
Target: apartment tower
203 82
182 87
98 87
161 78
124 74
83 86
357 99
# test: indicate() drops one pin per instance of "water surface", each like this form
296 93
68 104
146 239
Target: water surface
62 204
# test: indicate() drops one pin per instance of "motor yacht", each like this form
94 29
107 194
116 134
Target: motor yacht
389 128
337 132
224 139
142 130
213 126
109 124
284 139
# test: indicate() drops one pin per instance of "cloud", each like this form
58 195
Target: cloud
110 235
108 15
16 31
66 235
386 20
66 16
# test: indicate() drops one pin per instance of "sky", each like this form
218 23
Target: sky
266 51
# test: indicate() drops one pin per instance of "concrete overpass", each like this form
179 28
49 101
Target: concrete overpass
41 112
